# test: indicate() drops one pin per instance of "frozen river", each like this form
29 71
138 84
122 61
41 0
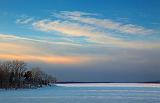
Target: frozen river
85 93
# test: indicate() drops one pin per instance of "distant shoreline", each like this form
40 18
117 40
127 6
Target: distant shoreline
106 82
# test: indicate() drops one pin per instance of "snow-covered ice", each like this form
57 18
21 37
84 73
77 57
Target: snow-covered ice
85 93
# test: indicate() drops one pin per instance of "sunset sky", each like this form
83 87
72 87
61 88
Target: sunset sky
84 40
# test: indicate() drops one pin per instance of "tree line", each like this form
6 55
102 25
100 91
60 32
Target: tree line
15 74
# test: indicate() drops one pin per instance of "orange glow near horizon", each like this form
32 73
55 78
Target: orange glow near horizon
26 52
46 59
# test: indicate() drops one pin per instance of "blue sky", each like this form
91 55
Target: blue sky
115 40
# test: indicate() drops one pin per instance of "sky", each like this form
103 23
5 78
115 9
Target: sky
84 40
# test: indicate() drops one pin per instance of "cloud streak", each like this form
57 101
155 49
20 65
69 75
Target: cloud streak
95 30
94 33
10 36
24 20
22 49
47 59
103 23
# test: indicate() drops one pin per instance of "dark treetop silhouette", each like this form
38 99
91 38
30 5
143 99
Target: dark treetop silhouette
14 74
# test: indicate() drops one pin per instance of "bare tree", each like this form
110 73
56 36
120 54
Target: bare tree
14 74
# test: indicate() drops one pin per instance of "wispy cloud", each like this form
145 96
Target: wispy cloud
14 47
66 27
47 59
74 13
95 30
103 23
10 36
24 20
21 48
98 37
